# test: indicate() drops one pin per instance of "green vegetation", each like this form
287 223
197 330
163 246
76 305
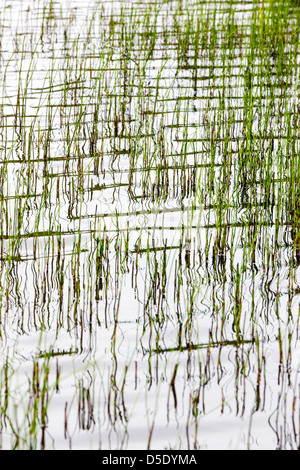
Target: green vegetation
150 224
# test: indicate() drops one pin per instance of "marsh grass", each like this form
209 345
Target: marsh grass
149 224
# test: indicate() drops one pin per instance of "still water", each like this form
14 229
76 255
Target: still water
149 258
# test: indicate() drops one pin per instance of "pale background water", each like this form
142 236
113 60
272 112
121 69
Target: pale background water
115 350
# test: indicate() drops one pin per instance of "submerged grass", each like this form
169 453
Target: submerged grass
149 224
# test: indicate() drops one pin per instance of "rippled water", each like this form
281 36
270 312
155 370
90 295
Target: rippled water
149 262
